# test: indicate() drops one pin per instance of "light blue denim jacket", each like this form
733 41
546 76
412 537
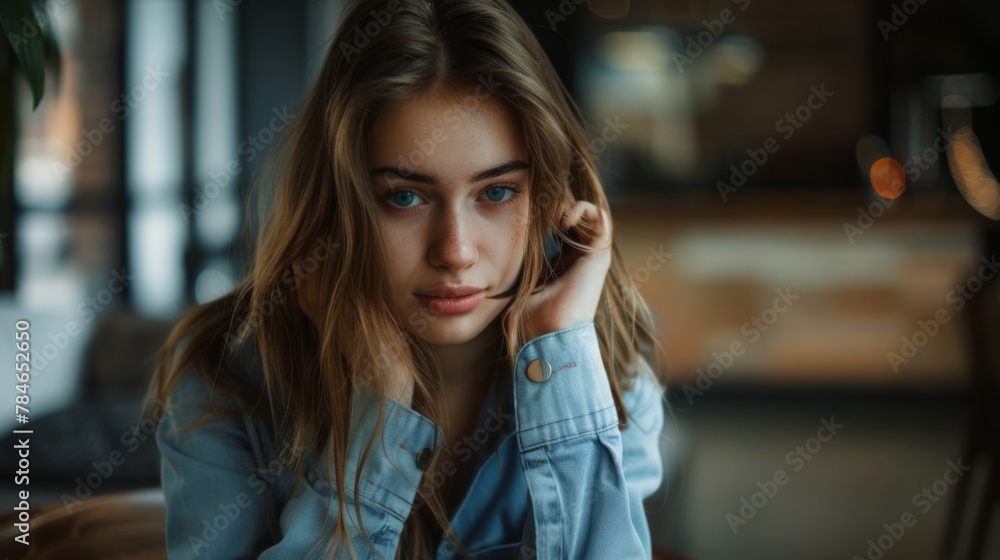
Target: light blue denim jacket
555 478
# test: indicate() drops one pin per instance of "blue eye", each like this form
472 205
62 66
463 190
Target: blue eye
401 198
498 192
499 195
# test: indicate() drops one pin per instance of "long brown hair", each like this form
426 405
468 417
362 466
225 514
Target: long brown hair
386 51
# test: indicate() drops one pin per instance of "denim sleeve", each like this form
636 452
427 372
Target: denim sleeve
586 478
210 468
641 448
212 507
389 483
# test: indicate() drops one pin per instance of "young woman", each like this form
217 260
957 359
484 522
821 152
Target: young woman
405 372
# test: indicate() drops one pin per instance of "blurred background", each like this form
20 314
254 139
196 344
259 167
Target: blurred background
804 192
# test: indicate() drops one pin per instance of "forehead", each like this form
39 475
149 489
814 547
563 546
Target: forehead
466 129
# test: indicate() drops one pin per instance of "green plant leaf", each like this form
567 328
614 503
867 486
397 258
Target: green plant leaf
28 41
52 56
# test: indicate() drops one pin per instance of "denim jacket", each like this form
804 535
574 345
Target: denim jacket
554 476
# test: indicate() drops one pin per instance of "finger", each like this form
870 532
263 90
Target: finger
604 228
600 226
591 223
571 218
575 221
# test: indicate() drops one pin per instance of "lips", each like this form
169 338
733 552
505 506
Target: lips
456 300
450 291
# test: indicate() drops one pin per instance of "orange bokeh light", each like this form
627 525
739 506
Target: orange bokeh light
888 178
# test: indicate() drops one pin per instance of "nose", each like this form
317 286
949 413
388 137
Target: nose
453 243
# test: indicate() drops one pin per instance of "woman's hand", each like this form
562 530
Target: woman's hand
392 359
571 299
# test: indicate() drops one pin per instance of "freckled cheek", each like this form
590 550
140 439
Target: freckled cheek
513 235
402 256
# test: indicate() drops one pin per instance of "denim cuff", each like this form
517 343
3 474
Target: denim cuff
574 400
392 471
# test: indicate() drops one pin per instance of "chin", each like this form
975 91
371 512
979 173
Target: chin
451 329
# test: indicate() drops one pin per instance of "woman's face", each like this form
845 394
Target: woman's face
451 176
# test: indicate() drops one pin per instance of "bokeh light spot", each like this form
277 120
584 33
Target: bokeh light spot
887 178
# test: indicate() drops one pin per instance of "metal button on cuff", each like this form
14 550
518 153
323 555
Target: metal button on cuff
423 458
539 370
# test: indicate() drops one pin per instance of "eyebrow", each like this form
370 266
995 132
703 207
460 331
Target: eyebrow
491 173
